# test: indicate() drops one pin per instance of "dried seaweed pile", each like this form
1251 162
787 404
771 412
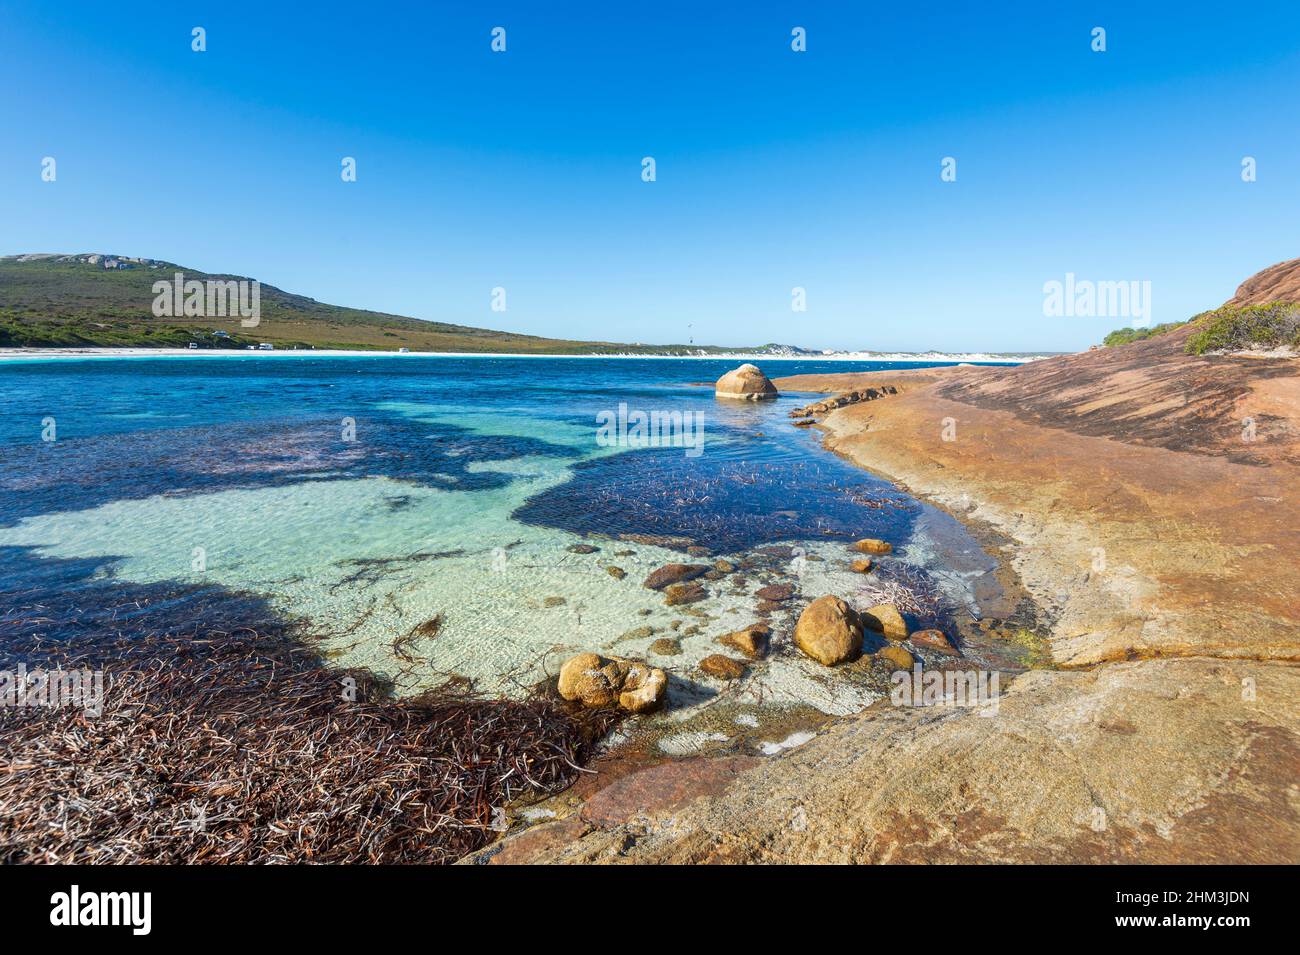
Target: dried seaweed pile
240 746
911 589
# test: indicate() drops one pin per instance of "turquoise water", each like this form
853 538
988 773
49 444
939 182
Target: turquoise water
357 498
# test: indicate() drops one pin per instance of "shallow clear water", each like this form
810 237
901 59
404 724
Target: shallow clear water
362 497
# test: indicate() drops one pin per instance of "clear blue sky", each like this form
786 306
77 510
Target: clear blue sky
775 169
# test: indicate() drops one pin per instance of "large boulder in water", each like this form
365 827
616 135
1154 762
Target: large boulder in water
829 631
745 383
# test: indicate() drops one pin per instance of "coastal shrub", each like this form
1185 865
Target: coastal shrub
1122 336
1272 325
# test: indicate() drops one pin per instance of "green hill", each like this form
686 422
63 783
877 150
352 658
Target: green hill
106 300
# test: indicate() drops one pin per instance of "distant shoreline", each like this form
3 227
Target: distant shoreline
39 354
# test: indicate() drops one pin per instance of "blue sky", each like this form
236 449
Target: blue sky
775 169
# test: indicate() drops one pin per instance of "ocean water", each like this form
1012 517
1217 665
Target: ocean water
362 499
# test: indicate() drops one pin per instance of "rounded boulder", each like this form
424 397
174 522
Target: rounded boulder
745 383
829 631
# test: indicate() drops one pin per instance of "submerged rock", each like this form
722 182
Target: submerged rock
871 545
752 641
722 667
658 540
863 566
829 631
666 647
775 592
678 594
674 574
582 549
603 681
885 618
745 383
897 658
935 640
618 573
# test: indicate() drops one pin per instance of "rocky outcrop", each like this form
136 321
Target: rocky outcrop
829 631
1277 283
745 383
1149 762
1170 736
828 405
594 680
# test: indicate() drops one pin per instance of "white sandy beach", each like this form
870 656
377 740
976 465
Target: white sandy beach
42 354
